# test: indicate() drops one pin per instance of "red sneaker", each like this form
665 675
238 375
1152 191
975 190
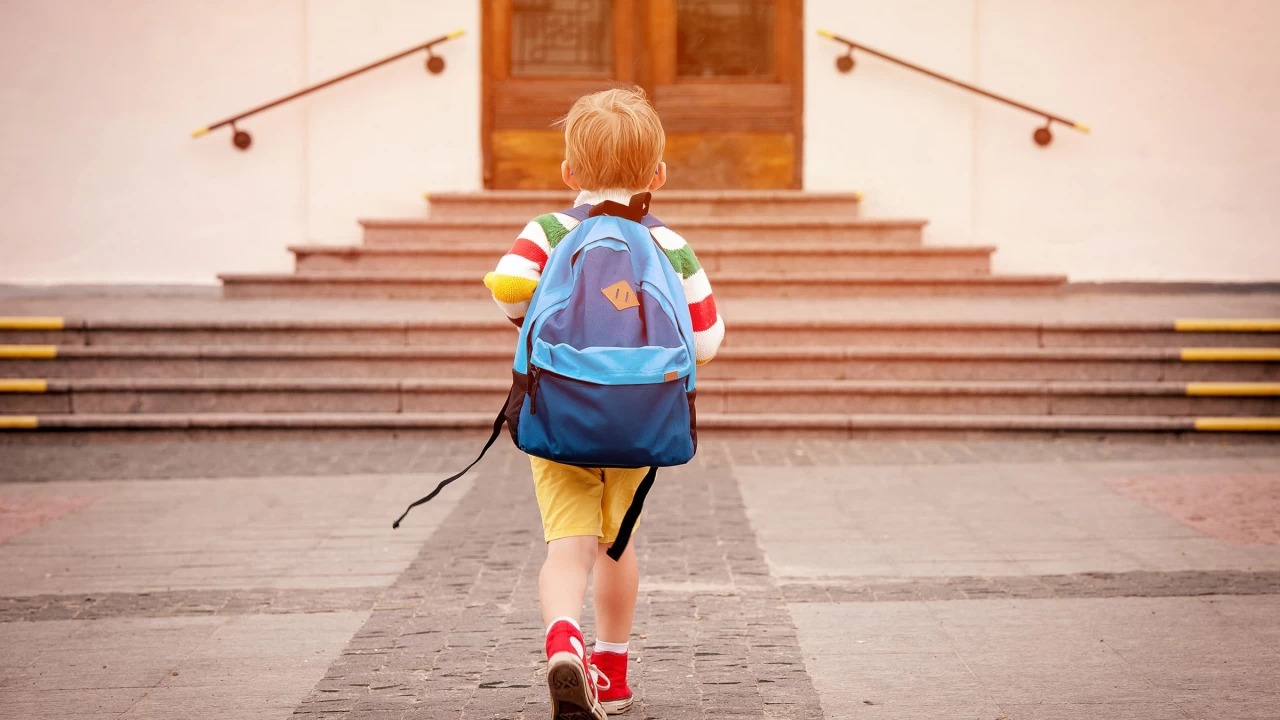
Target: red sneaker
615 696
571 681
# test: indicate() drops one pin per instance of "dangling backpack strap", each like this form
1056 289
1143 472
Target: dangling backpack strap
632 515
497 430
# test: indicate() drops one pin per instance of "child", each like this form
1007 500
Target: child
614 142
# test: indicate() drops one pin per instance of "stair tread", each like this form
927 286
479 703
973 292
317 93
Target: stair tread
681 195
1069 308
771 386
705 421
738 221
491 319
722 278
224 351
418 248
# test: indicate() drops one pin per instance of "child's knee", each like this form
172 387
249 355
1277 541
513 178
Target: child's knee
581 550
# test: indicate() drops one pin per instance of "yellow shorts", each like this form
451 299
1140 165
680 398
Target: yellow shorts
583 501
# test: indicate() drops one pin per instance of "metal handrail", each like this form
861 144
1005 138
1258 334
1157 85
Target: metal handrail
242 140
1042 136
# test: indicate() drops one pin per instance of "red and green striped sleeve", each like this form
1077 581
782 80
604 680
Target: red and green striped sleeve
708 326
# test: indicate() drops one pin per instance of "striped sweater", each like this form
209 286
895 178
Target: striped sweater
513 281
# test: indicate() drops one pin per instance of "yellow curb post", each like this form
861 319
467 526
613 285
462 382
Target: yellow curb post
1240 424
1202 389
1227 325
32 323
18 385
1241 354
28 352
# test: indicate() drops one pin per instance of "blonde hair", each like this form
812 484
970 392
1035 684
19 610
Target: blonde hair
613 140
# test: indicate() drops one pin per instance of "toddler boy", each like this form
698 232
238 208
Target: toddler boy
614 143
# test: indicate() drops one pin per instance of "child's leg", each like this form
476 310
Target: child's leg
562 584
616 586
569 500
616 583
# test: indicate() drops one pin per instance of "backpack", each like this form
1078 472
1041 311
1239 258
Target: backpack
605 363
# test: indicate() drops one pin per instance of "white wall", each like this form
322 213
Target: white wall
101 182
1178 181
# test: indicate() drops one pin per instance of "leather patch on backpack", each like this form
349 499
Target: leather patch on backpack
621 295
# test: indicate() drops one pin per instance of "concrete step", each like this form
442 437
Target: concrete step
797 258
710 425
704 233
458 286
525 204
432 395
733 363
493 331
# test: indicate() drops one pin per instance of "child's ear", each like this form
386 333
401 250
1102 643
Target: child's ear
659 178
566 174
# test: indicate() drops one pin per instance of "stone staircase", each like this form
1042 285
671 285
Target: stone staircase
824 363
829 251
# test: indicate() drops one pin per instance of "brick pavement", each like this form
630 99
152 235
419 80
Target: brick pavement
1135 583
183 603
813 601
459 635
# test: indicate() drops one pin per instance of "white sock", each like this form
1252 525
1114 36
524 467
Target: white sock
566 618
619 648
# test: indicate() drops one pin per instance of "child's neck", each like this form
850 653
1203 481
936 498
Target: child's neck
595 197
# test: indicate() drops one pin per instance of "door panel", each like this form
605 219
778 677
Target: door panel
724 76
743 107
729 91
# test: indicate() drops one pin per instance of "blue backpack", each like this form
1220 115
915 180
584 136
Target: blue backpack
605 364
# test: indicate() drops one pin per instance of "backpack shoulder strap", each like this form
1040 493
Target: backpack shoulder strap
580 213
633 514
636 211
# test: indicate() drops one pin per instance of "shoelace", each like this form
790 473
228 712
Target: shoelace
596 676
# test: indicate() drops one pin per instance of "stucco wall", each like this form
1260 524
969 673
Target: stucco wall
100 181
1178 180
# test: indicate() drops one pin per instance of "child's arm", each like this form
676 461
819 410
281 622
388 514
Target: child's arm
708 327
514 280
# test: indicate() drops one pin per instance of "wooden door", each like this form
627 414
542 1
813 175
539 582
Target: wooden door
726 77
